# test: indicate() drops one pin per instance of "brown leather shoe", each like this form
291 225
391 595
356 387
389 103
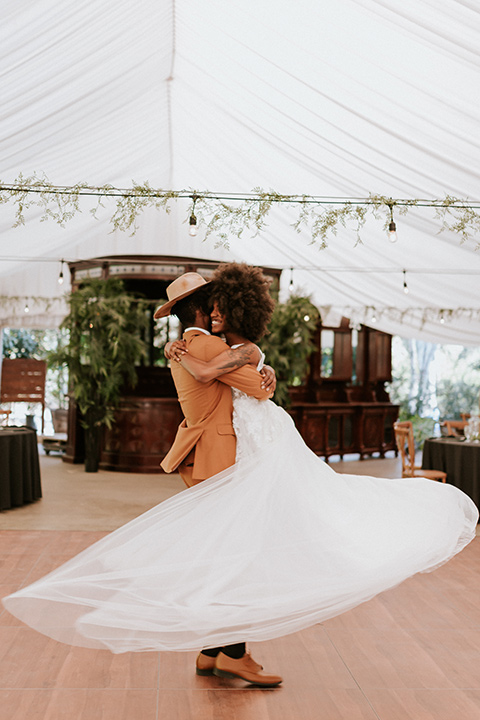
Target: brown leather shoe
205 664
245 668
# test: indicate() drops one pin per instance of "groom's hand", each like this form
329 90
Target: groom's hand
269 379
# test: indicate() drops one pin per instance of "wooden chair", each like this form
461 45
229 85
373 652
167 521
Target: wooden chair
23 380
4 415
406 447
455 427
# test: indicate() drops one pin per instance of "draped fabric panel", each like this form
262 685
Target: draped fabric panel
338 98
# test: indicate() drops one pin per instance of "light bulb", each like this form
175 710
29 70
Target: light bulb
392 232
193 225
60 277
26 308
306 318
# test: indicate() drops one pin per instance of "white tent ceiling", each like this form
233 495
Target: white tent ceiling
332 98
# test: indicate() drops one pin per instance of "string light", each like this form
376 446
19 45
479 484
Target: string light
392 228
290 287
405 286
465 223
60 277
47 188
193 220
414 317
26 308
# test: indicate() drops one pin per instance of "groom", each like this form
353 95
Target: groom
205 442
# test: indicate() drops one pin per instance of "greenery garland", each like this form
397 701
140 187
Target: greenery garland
358 315
12 303
369 315
230 215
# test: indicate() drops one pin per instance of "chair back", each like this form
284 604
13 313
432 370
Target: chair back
455 427
4 415
406 446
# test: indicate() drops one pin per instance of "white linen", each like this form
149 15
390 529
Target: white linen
376 96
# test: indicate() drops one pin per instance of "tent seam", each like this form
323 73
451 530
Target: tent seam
169 91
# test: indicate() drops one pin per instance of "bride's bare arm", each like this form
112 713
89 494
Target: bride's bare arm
178 348
231 359
174 349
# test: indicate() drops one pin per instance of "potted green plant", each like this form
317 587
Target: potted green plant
289 343
105 343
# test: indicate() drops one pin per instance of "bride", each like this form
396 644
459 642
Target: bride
274 544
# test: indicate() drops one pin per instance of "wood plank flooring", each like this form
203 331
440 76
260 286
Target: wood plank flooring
76 500
412 653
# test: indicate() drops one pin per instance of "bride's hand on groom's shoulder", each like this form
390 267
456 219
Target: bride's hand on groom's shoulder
269 382
174 349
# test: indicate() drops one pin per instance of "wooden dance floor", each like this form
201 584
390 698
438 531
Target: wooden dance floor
413 653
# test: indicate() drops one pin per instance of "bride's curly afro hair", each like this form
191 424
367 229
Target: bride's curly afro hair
242 295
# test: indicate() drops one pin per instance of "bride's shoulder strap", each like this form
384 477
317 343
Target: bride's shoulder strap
261 358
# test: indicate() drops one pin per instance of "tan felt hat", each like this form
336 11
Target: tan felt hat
178 289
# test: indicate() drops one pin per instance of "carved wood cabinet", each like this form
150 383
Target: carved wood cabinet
343 428
343 406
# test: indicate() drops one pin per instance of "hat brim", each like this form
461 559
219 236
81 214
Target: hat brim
166 309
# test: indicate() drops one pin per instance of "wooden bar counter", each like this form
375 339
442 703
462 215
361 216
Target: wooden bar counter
141 436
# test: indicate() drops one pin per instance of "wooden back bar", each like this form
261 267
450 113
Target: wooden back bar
347 412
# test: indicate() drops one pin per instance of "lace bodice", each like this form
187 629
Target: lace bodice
256 422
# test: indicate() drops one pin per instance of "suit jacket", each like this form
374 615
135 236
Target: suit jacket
205 442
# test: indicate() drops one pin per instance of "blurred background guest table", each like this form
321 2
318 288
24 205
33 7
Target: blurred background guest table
19 467
459 459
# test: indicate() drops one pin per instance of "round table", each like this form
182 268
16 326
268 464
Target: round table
459 459
19 467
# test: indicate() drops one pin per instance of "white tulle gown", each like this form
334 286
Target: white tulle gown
274 544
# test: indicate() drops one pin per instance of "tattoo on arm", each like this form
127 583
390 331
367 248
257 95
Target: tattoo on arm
238 357
222 364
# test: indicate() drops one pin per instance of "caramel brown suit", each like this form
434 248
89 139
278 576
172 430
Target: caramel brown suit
205 442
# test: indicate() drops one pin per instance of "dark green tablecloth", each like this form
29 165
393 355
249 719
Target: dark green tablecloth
459 459
19 467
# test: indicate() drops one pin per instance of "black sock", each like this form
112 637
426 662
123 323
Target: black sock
234 651
211 652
